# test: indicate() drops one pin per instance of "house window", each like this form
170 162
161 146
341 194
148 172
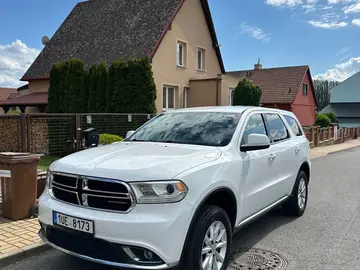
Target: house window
231 95
186 90
305 89
201 59
169 97
181 54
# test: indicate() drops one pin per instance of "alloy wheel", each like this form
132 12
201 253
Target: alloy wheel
302 193
214 247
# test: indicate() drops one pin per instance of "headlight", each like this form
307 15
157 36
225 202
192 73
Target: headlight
159 191
48 178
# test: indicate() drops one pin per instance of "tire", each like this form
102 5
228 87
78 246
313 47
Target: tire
293 206
210 217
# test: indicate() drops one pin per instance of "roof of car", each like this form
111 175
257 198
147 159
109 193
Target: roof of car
232 109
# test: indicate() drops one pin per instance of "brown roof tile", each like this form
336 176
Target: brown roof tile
100 30
6 92
279 85
38 98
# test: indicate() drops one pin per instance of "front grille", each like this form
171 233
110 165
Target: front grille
94 193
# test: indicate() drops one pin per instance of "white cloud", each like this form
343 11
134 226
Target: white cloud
277 3
15 59
356 22
309 5
352 8
343 51
327 25
333 2
341 71
255 32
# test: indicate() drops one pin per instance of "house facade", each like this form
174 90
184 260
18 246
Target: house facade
286 88
178 36
5 95
345 102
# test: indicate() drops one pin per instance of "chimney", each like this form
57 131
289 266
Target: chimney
258 65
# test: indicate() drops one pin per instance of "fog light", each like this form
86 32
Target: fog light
148 255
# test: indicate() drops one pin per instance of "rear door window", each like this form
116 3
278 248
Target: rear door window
294 125
277 129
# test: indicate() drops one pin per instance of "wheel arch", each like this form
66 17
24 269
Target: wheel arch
305 167
210 199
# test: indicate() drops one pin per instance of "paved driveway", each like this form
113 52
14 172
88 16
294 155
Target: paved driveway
326 237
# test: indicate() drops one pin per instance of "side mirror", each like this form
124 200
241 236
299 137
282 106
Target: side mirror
256 142
129 133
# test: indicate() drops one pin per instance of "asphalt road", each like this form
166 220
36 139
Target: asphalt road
326 237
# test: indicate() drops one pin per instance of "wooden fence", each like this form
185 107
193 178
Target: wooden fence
318 136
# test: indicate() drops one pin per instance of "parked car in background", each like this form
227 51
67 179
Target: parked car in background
175 190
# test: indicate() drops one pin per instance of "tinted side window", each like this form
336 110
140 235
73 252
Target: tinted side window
255 125
277 128
294 125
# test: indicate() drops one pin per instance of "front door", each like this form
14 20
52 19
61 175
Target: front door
258 171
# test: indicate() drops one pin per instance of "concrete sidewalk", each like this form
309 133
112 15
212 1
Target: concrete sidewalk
323 151
19 239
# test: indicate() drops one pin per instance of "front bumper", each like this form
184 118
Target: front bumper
161 229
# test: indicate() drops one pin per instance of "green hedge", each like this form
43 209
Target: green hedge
332 117
322 120
247 94
109 138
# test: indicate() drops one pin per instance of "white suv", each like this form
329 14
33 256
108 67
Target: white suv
174 192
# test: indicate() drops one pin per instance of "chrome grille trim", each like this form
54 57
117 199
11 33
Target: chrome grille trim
80 191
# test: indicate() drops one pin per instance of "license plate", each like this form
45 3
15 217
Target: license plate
78 224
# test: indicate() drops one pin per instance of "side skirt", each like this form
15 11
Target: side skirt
259 214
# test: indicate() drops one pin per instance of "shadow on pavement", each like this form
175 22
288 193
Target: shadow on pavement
246 238
255 232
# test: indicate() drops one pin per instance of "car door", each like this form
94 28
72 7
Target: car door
283 149
300 145
258 170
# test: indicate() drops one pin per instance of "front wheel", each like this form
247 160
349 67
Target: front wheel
209 245
297 203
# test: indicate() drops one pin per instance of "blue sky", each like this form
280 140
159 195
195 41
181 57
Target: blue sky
324 34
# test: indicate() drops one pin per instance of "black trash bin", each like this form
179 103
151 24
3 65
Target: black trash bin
91 137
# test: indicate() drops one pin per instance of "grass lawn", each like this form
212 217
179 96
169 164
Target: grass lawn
45 162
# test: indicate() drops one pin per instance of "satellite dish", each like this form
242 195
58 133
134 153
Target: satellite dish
45 40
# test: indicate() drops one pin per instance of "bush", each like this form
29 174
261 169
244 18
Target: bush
109 138
332 117
247 94
322 120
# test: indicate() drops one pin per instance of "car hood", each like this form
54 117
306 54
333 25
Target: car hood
136 161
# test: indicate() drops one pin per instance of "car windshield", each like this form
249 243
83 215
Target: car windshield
199 128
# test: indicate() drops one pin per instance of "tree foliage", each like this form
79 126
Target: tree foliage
124 87
101 88
322 92
94 76
54 105
322 120
332 117
247 93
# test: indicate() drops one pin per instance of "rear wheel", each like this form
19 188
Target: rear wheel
209 245
297 203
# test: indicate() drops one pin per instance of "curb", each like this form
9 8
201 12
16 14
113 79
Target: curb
13 257
334 152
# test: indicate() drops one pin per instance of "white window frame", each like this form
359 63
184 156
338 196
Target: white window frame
181 44
231 90
202 63
167 87
186 89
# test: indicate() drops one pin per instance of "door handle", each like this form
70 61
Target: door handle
297 149
272 156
